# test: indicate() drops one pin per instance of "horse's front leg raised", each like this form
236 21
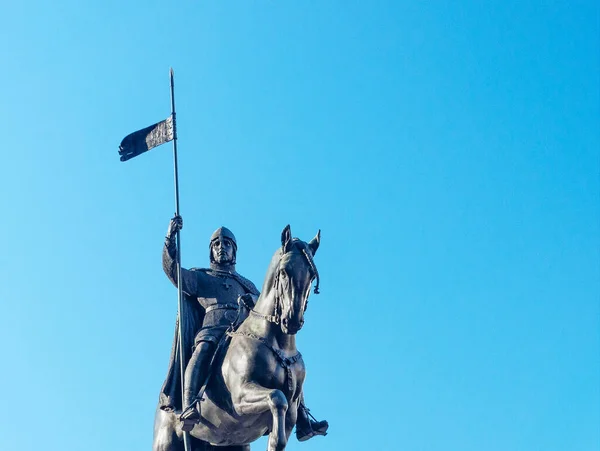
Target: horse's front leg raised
254 400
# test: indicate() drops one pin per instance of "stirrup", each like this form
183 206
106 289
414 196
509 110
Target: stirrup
190 417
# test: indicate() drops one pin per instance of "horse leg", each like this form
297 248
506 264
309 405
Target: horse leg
254 400
165 436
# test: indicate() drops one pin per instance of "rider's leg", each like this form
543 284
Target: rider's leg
195 374
307 427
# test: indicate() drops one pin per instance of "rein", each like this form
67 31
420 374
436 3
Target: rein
270 318
276 317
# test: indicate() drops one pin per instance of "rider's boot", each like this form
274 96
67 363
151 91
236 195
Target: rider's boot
307 426
190 415
194 377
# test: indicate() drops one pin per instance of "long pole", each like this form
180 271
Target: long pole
186 437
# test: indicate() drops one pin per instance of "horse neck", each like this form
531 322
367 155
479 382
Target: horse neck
265 305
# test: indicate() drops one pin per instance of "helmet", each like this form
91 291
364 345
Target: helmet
223 232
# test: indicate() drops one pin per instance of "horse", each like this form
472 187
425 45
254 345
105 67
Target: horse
257 388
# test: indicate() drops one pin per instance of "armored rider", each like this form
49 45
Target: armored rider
213 294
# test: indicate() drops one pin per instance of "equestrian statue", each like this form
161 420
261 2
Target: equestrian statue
244 375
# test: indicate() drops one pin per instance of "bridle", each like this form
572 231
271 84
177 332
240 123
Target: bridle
286 362
275 318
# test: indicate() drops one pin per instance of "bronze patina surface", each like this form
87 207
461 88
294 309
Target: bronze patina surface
244 375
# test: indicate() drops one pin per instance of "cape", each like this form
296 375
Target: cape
191 323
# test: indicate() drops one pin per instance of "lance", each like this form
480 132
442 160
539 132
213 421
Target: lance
133 145
186 437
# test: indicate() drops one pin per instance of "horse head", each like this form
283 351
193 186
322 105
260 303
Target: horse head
289 280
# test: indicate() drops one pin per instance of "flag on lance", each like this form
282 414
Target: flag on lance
147 138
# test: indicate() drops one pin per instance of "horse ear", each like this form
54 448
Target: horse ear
286 239
314 243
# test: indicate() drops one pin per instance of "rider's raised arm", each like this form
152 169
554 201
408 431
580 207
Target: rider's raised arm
169 260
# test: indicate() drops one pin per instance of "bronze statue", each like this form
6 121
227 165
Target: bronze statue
238 391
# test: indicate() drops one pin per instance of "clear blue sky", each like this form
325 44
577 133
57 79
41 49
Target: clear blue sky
449 151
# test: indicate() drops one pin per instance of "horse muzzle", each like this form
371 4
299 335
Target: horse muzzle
291 327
